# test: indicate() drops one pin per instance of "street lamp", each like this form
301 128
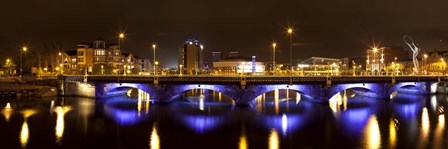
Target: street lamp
155 67
425 56
154 57
120 37
61 63
124 69
290 33
24 49
180 69
102 69
273 54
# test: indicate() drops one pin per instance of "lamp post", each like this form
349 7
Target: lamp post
124 69
102 69
155 66
24 49
154 58
273 56
425 56
374 60
180 69
290 33
61 63
120 37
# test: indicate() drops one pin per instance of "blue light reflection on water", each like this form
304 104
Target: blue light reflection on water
218 123
123 115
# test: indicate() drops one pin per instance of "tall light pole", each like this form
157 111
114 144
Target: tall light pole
290 33
24 49
180 69
273 56
375 50
425 56
120 37
154 58
61 63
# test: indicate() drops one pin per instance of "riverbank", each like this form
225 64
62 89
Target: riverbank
16 88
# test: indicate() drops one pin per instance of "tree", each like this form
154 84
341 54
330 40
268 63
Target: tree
9 67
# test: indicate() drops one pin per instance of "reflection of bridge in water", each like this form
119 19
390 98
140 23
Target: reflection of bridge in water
244 89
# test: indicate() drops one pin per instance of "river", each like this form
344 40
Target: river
207 119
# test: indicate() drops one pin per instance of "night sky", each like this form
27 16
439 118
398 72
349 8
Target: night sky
327 28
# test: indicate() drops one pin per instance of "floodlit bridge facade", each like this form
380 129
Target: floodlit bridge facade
244 89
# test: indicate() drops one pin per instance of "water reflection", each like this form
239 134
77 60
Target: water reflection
393 133
243 140
123 111
7 111
24 133
278 118
60 122
274 140
154 142
372 135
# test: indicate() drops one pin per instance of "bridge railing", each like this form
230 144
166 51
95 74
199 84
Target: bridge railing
251 79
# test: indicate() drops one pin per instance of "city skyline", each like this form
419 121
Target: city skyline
327 29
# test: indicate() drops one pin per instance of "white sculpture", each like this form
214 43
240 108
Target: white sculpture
410 42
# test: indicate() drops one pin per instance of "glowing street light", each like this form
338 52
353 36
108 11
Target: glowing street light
180 69
61 63
273 53
24 49
290 32
120 37
154 58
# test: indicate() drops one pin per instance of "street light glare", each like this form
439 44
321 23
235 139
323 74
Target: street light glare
121 35
290 30
24 49
153 45
274 44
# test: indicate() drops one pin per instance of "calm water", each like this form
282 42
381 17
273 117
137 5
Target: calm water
206 119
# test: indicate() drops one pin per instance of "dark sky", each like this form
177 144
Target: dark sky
328 28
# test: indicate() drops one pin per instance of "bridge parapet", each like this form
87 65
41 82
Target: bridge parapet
207 79
73 78
199 80
121 79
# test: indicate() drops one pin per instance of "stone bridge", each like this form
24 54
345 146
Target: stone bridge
244 89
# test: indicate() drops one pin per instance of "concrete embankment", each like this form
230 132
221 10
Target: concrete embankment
11 88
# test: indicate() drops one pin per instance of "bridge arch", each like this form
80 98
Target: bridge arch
168 93
375 90
112 89
413 87
309 91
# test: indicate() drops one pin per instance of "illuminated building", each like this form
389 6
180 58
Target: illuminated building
236 65
375 62
190 56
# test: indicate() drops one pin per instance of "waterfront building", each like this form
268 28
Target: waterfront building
99 57
238 65
190 56
375 62
319 66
